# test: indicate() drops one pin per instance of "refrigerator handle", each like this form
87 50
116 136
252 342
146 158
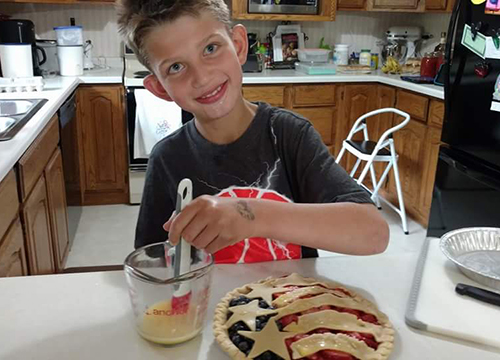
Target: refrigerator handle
447 54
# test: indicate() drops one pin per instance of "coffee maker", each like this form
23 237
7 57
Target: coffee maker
253 63
15 33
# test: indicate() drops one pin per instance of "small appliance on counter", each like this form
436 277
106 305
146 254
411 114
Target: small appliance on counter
70 50
51 66
402 43
19 54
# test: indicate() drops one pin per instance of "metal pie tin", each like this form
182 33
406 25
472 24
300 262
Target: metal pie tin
476 252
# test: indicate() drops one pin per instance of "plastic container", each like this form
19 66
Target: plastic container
69 35
341 56
365 57
316 68
313 55
149 271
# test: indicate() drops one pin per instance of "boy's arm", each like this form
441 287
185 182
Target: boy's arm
213 223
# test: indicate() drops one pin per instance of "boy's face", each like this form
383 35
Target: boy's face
197 64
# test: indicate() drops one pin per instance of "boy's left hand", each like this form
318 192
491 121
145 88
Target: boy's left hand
212 223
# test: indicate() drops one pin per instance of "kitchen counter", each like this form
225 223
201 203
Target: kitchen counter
88 315
59 88
56 91
292 76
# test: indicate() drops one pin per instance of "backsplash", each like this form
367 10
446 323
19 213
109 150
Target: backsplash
360 29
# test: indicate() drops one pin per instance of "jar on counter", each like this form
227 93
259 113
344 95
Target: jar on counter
374 62
341 56
428 65
365 58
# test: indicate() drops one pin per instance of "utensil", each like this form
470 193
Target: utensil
182 262
476 252
487 296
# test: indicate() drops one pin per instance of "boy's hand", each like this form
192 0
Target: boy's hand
212 223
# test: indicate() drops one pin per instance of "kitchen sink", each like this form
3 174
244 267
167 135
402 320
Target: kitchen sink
15 113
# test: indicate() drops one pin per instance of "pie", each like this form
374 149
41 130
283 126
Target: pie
294 317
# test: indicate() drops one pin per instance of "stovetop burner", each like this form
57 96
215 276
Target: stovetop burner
141 74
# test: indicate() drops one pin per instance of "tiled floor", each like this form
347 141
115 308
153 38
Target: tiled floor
105 236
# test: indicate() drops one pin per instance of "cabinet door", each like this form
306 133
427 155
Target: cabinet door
410 146
12 253
272 94
322 119
395 4
58 211
102 123
36 218
357 101
436 4
350 4
431 152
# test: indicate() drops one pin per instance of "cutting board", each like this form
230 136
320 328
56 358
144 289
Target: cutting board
434 305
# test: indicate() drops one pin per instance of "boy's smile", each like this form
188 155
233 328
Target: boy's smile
197 63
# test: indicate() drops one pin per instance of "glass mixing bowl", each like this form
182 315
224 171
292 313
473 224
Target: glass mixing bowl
168 309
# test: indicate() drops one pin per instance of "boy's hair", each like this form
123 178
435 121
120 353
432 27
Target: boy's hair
137 18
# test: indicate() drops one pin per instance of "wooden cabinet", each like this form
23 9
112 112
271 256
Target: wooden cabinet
357 100
58 211
9 202
436 4
102 129
36 218
12 253
327 9
272 94
395 4
351 4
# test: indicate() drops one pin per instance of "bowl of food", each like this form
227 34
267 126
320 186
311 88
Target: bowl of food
476 252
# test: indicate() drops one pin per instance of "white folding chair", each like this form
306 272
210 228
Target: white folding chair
383 151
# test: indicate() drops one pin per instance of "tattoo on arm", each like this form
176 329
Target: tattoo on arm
244 210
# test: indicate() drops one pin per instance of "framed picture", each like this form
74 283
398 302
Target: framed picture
285 46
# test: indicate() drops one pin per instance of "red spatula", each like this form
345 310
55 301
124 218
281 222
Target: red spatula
182 260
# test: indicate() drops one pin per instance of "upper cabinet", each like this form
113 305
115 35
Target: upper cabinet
395 4
326 12
351 4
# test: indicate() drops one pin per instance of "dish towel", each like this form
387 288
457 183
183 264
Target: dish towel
154 119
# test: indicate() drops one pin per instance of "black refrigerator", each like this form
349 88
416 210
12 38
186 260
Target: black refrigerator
467 184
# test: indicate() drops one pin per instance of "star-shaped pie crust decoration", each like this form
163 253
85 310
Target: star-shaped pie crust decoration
247 313
270 338
265 292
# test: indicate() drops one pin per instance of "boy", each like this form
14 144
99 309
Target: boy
260 174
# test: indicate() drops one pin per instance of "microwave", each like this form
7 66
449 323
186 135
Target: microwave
306 7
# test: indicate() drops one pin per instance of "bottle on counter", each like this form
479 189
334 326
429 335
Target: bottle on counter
341 55
439 51
374 61
365 58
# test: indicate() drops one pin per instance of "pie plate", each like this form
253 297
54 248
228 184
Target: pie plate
476 252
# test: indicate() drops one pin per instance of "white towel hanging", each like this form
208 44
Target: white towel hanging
154 119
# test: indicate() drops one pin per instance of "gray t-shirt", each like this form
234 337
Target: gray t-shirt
279 157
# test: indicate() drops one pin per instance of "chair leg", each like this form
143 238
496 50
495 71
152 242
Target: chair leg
374 184
400 193
341 153
353 171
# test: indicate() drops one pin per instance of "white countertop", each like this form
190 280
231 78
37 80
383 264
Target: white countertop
88 315
59 88
292 76
56 91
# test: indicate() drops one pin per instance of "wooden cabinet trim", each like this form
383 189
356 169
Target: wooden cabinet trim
436 113
12 252
32 163
9 207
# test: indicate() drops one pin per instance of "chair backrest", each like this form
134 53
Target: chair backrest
360 123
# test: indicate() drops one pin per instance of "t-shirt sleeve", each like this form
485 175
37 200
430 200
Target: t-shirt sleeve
320 179
156 205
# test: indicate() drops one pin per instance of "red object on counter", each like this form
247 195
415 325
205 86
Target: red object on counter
428 66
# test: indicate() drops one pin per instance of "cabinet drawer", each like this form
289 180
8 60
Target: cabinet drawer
436 113
33 161
413 104
313 95
273 95
9 202
322 120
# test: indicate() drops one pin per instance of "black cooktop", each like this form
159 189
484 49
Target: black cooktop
141 74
